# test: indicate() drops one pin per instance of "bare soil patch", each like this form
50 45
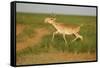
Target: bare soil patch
57 57
33 40
19 28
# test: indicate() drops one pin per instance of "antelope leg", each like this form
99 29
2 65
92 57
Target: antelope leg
54 34
64 38
74 39
77 36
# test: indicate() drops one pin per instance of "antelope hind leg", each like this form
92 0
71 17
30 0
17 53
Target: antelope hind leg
77 36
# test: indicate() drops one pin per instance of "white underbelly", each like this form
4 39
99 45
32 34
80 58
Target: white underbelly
65 32
68 33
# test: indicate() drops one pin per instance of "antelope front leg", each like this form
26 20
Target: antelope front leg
64 38
54 35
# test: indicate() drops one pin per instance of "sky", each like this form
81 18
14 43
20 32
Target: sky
55 9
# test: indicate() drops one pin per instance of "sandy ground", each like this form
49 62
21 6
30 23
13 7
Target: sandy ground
30 41
57 57
19 28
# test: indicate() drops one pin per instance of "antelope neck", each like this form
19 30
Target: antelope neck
54 24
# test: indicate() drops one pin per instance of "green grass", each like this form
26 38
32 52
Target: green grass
27 32
59 45
88 31
34 20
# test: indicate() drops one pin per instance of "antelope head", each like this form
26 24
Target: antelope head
50 20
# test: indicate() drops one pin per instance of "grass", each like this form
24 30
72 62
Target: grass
27 32
34 21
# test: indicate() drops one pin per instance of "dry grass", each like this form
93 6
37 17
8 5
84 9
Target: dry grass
19 28
40 32
55 57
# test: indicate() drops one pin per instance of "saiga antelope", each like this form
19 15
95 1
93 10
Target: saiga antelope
64 29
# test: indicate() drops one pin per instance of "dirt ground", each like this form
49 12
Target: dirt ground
19 28
40 32
57 57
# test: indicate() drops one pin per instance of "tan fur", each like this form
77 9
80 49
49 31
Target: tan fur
65 29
